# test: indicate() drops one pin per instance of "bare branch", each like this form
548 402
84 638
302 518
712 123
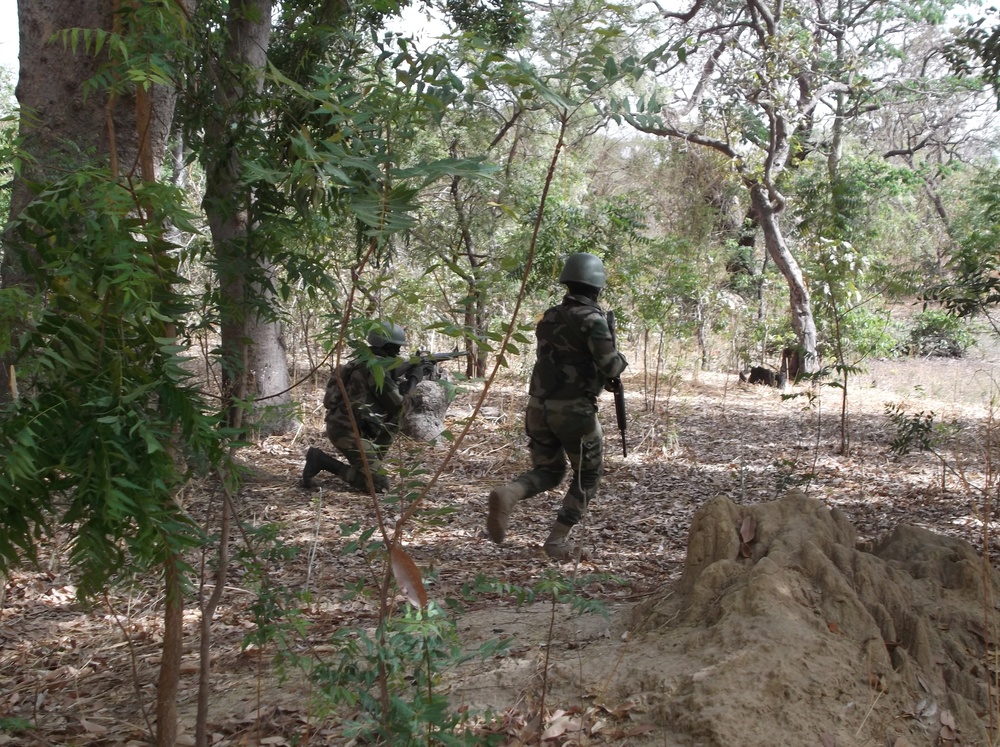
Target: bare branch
831 87
757 8
682 17
506 126
666 130
706 75
918 146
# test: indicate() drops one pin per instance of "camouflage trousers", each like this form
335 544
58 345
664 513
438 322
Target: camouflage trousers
374 452
559 430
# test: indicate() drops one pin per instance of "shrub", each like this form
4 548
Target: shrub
938 333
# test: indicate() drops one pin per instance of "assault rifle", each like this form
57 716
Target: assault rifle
424 366
618 389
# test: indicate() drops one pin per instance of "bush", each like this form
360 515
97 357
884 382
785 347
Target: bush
938 333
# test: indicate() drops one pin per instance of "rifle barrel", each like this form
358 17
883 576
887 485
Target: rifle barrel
620 415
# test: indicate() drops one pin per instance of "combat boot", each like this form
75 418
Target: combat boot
311 468
558 544
502 501
318 461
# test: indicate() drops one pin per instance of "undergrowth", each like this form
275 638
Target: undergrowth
382 683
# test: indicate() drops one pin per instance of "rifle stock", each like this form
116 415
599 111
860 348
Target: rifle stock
620 414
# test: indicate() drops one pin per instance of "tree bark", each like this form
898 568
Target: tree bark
269 366
801 310
173 647
474 304
208 614
64 130
58 124
252 351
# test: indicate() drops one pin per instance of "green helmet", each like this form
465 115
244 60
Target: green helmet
386 333
583 268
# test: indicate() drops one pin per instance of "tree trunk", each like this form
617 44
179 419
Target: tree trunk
802 317
62 128
269 368
207 615
173 648
474 303
227 203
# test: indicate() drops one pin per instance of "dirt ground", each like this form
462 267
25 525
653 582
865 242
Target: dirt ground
759 584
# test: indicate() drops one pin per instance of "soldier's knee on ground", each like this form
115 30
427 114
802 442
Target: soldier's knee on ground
359 481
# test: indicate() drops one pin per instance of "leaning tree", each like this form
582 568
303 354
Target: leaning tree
772 83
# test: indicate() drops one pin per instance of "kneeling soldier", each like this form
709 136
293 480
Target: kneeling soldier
376 407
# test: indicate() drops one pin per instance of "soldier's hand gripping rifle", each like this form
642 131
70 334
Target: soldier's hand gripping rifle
423 367
618 389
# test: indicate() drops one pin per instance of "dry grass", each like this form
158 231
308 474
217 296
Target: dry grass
970 381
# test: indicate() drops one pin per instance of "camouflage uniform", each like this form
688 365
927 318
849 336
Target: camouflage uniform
377 411
575 359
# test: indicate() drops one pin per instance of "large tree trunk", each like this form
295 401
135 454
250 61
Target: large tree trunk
252 351
62 129
802 318
269 368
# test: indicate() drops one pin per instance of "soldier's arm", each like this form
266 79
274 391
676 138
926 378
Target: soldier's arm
389 395
609 361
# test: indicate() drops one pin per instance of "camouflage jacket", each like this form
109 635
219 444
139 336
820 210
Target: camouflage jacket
575 354
377 409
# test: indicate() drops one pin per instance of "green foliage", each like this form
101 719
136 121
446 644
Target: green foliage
659 280
937 333
845 286
741 261
664 282
977 48
15 306
871 332
380 685
611 229
346 133
384 684
405 655
973 281
279 618
149 40
570 590
913 432
109 424
14 725
857 205
483 585
500 24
